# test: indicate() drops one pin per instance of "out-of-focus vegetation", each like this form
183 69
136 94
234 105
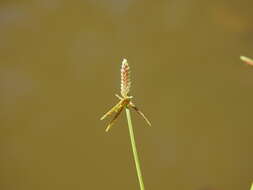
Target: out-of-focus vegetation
247 60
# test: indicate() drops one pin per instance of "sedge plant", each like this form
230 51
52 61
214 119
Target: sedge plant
125 102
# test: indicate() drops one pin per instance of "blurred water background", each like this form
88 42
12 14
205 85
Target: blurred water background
59 71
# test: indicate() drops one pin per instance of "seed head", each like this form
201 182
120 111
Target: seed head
125 78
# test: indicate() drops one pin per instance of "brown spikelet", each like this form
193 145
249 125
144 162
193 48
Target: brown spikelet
125 78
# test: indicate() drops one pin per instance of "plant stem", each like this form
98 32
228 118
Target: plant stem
136 159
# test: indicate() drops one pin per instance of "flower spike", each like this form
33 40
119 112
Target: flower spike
125 78
125 99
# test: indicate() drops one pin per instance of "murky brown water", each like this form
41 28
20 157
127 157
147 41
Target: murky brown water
59 70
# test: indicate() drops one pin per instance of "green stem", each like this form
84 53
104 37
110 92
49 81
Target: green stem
136 159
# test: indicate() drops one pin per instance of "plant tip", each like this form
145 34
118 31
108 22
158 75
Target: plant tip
124 61
243 58
246 60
